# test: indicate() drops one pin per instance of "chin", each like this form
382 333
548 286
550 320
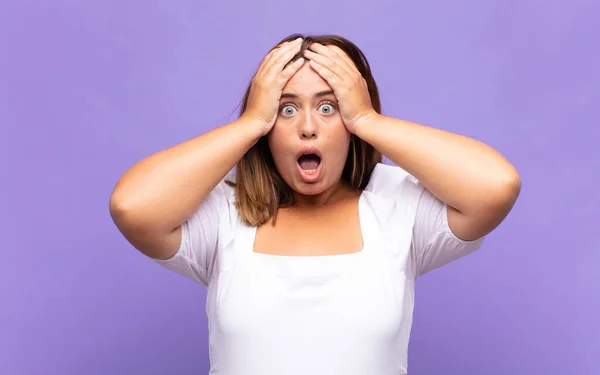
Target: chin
309 189
314 184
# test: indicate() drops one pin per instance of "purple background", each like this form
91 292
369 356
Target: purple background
89 88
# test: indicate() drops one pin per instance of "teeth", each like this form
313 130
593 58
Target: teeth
309 171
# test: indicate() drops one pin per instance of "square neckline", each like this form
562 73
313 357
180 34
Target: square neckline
363 232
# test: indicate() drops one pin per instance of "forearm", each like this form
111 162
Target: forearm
462 172
163 190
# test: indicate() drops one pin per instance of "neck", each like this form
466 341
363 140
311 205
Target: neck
336 193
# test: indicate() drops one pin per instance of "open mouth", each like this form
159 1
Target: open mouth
309 163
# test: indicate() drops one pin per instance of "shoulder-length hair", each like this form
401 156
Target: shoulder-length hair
259 188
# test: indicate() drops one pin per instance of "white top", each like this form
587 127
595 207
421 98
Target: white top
344 314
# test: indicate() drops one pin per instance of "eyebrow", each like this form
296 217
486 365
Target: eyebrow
317 95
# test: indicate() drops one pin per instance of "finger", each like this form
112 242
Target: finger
321 49
332 64
330 52
278 51
290 70
332 79
279 60
267 59
345 57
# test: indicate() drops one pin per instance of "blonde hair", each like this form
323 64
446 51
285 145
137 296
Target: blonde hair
259 189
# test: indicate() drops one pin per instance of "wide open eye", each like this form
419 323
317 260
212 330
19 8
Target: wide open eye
327 108
288 110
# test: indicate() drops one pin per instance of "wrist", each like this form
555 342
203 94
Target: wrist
253 127
365 123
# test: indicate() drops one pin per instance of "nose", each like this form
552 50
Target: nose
308 127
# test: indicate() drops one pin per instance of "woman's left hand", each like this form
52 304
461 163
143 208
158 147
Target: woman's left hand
348 85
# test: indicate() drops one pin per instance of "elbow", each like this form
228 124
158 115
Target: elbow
131 221
495 207
119 213
117 205
511 187
504 193
136 216
123 211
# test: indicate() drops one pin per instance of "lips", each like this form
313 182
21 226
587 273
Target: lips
309 164
309 151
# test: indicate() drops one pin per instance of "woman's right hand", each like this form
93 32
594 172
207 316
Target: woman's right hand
268 83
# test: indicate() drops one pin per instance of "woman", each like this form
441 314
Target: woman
310 250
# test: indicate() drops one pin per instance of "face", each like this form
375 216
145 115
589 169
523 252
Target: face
309 141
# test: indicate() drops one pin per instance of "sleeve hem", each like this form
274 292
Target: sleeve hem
180 253
450 234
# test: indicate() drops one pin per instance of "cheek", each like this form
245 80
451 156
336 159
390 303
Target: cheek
341 136
343 150
278 142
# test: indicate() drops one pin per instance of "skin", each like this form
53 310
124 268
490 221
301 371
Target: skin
327 208
154 197
478 184
309 116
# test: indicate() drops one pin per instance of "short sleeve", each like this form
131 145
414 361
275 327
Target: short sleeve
200 236
434 243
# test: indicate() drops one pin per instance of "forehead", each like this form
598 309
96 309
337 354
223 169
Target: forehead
306 82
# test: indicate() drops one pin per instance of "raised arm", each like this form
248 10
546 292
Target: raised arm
158 194
154 197
478 184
